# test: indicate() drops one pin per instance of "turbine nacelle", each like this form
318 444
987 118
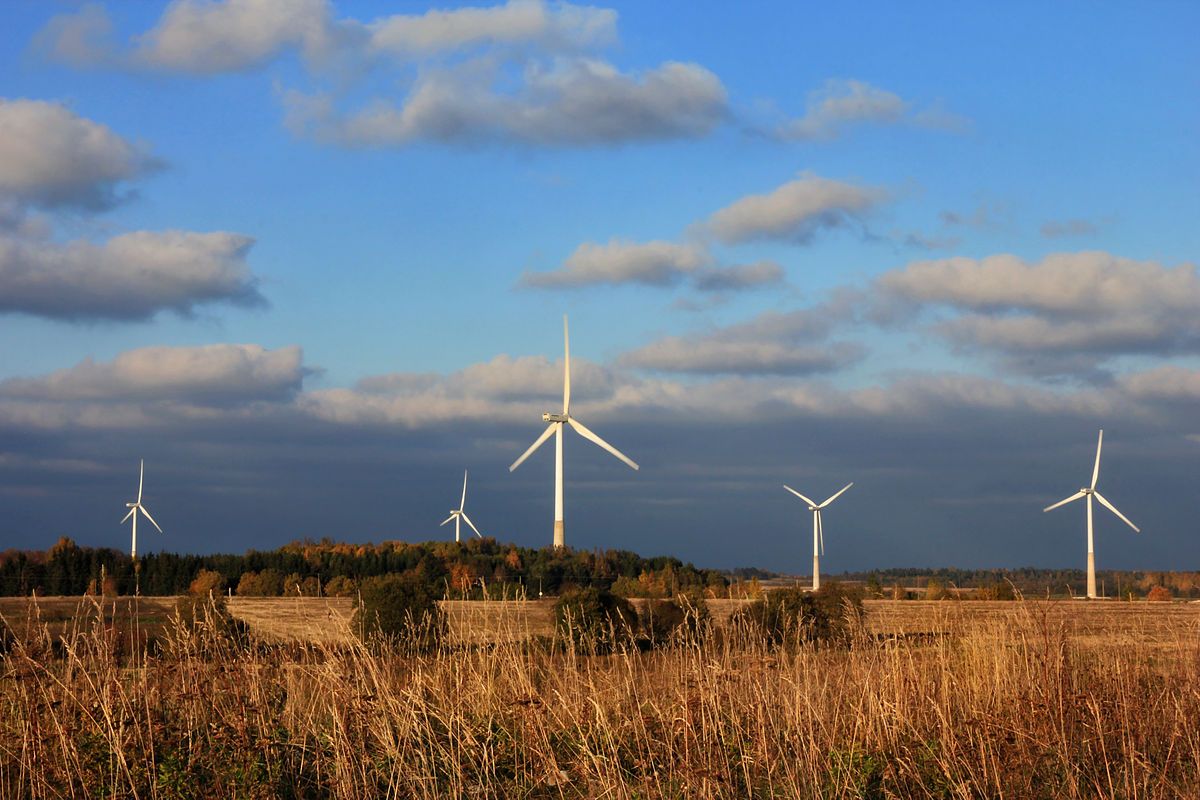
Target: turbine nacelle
548 417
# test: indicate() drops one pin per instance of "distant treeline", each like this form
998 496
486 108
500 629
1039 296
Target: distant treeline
481 566
326 567
1028 581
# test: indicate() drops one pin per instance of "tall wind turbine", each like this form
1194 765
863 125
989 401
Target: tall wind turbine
818 531
458 515
135 507
556 429
1089 492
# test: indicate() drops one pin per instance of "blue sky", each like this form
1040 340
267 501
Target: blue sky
310 260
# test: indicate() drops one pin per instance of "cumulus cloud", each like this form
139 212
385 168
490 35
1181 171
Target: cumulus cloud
217 373
795 211
841 104
1067 304
710 356
655 263
202 37
52 157
79 39
518 22
739 276
773 343
572 103
128 277
513 73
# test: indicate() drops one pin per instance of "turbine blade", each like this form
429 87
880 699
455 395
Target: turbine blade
802 497
546 434
836 496
447 519
1075 496
820 531
566 368
1113 509
587 433
463 503
132 511
1096 469
472 524
141 476
152 522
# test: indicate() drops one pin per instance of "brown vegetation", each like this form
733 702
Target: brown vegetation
1031 699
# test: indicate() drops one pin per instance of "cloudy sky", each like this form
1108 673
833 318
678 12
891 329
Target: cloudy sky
310 260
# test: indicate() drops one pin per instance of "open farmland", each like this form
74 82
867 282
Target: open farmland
939 699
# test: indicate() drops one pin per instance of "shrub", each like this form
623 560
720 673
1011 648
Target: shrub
684 619
341 586
594 619
207 582
793 615
399 606
268 583
1159 594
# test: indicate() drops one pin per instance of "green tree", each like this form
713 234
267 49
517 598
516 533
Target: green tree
399 606
594 620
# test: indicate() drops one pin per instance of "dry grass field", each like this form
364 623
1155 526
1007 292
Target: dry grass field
940 699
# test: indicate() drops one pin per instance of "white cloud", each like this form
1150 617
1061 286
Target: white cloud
203 37
1073 308
51 157
569 103
217 373
793 212
513 73
716 356
558 26
841 104
656 263
129 277
739 277
79 39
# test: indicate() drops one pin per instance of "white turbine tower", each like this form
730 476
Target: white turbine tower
818 531
459 516
134 508
556 429
1089 492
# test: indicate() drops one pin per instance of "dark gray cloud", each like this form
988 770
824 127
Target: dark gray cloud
52 158
128 277
948 469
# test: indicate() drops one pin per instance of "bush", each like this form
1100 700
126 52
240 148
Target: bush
1159 594
399 606
207 582
594 620
268 583
341 586
793 615
684 619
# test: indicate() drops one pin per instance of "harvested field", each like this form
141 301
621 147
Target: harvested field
1073 700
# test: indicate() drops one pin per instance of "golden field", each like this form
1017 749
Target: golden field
929 699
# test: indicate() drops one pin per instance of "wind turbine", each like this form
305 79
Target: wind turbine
135 507
458 515
556 429
818 531
1089 492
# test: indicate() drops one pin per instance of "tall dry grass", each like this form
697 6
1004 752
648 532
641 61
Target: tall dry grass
1009 706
